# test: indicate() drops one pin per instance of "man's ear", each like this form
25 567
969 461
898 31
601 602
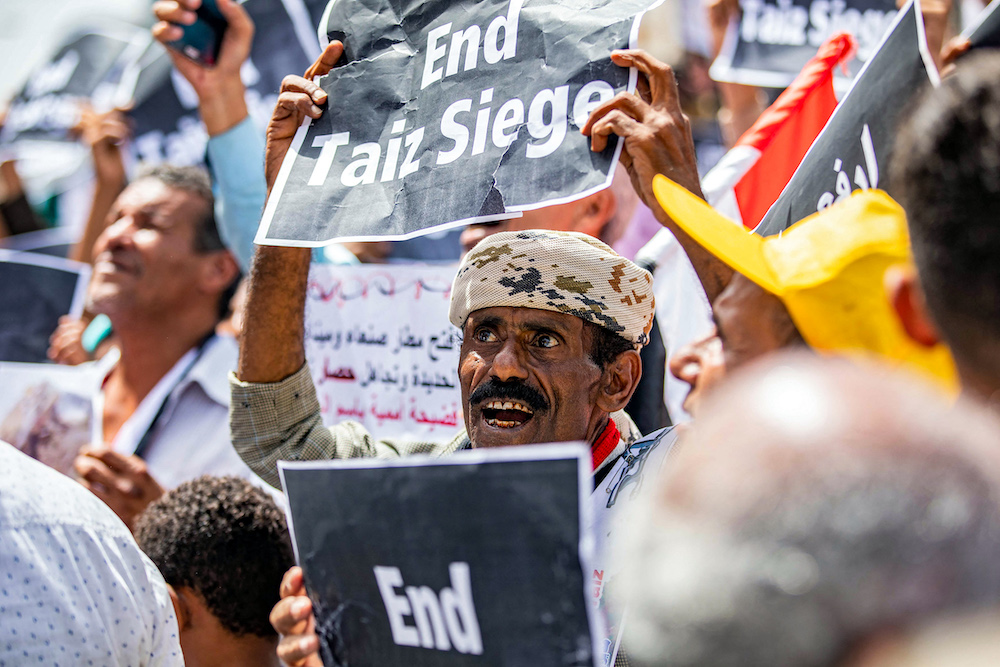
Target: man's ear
181 610
218 272
619 381
593 213
907 298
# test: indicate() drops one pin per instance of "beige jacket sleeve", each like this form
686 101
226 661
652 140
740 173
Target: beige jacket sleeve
281 421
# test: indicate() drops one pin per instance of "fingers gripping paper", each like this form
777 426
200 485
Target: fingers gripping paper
451 112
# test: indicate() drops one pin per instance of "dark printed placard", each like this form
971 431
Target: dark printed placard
984 33
473 559
35 291
167 126
774 39
92 67
451 112
854 149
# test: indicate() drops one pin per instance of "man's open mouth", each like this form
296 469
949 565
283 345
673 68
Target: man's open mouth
506 414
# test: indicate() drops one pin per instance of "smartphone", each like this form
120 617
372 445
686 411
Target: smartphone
202 39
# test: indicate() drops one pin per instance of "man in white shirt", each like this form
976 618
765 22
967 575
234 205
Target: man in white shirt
164 278
75 589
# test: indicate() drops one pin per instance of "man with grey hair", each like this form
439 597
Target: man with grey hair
164 278
813 509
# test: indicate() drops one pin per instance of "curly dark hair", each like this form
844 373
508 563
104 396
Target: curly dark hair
225 539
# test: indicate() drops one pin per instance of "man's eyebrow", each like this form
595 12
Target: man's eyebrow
489 321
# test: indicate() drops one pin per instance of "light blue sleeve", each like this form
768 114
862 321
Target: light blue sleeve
236 158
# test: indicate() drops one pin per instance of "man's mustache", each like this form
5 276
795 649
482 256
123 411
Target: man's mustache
511 390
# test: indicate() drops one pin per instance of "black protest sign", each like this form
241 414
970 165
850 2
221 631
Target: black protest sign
985 31
854 149
35 291
450 112
167 126
89 67
774 39
472 559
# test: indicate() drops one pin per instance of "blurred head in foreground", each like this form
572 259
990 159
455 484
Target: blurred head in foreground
815 506
222 547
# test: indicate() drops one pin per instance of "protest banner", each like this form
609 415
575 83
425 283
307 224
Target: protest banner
46 410
774 39
35 291
984 33
382 351
856 144
93 67
473 559
167 125
447 113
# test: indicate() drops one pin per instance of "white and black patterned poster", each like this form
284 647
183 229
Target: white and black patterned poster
774 39
854 149
477 558
450 112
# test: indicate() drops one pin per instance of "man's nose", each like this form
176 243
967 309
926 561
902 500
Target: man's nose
508 364
117 235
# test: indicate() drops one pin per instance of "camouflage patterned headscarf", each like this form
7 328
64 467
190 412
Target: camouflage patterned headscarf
565 272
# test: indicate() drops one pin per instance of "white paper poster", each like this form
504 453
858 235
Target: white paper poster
381 349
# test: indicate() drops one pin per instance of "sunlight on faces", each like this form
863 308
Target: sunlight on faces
545 355
145 261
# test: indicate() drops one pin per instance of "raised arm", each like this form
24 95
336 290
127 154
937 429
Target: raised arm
657 140
235 147
271 346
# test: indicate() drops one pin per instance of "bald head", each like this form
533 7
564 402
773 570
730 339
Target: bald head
813 505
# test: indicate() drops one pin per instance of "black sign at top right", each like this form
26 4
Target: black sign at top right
854 149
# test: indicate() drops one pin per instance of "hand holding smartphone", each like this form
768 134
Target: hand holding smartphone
203 38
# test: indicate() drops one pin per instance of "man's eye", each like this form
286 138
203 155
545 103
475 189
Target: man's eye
485 336
545 340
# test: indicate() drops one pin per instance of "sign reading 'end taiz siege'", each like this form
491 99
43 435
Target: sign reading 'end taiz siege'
477 558
451 112
854 149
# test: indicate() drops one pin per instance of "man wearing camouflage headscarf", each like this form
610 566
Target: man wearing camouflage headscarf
551 325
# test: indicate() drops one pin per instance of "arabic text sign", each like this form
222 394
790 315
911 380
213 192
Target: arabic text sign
854 149
382 351
477 558
775 38
450 112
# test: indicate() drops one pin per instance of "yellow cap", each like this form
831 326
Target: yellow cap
827 269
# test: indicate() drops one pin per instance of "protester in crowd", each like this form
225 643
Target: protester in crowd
222 546
751 307
550 360
75 589
164 279
945 173
871 506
